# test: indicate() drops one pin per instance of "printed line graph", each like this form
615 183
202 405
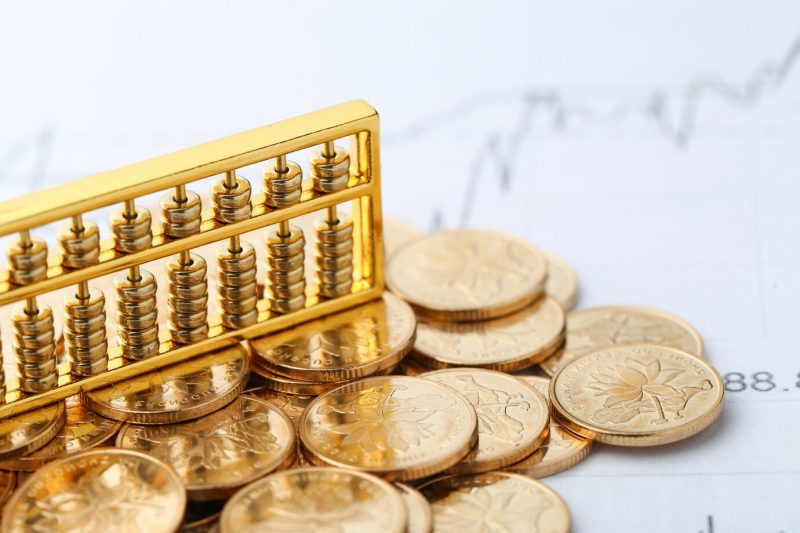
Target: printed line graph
672 114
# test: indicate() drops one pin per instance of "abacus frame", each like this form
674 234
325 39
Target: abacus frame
356 120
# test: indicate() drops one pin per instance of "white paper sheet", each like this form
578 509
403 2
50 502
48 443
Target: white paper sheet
653 147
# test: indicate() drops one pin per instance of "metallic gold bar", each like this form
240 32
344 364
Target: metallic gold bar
184 166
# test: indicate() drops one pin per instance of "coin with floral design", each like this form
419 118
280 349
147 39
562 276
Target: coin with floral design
398 427
420 517
495 501
101 490
562 283
595 328
509 343
347 345
180 392
467 274
512 416
639 395
315 499
82 430
218 453
26 432
560 451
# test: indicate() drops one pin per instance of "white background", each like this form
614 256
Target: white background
654 146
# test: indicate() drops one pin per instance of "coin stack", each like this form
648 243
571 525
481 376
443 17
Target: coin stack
434 408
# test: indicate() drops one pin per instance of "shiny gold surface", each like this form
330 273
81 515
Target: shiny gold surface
316 499
467 274
8 482
99 491
218 453
24 433
639 395
591 329
495 501
420 517
562 283
396 426
355 120
512 416
343 346
181 392
292 405
508 343
82 431
560 451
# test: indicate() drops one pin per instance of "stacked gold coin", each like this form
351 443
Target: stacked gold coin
408 413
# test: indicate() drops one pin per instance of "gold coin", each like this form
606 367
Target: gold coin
396 233
467 274
100 490
202 517
512 416
420 517
82 431
8 482
176 393
398 427
27 432
292 405
639 395
495 501
595 328
508 343
218 453
316 499
562 283
560 451
343 346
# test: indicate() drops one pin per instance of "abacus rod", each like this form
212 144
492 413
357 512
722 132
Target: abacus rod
78 228
331 216
329 150
191 164
280 164
283 229
77 224
218 338
112 261
180 194
129 209
230 180
31 307
25 238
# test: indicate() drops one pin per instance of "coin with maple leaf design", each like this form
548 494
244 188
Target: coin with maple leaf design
495 501
467 274
591 329
176 393
315 499
639 395
217 454
8 482
99 490
82 430
509 343
561 450
420 518
512 416
347 345
398 427
27 432
562 283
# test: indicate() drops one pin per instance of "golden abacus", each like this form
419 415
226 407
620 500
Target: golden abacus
348 268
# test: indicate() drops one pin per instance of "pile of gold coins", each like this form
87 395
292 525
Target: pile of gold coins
434 408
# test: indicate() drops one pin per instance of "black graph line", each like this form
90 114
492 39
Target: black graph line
673 115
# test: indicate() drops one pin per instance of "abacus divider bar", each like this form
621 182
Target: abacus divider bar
59 278
219 338
140 179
